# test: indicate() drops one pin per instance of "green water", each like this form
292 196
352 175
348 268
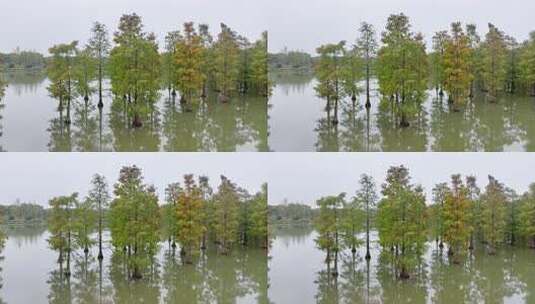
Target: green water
298 122
298 274
30 121
30 274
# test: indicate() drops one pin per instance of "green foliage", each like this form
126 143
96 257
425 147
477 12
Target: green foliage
457 226
456 63
402 67
134 220
61 74
226 62
258 232
527 216
188 56
62 225
134 67
527 64
494 59
493 214
402 220
328 224
84 224
226 215
85 72
190 218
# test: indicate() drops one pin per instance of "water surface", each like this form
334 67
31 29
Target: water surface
298 122
30 274
30 121
298 274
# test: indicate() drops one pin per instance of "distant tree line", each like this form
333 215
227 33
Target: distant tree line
459 218
23 214
460 64
291 214
291 60
22 60
193 64
193 217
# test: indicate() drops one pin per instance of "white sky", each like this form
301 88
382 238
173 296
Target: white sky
36 177
305 177
297 24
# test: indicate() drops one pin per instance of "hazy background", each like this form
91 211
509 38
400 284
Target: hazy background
39 24
36 177
297 24
305 177
306 24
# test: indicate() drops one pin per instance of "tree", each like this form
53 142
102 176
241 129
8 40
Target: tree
475 210
457 74
134 67
457 227
84 222
61 225
226 215
99 44
100 197
402 220
259 215
329 73
440 192
438 60
61 74
188 59
169 62
351 72
367 195
367 45
226 56
402 68
493 214
84 73
494 61
328 226
527 216
259 66
351 219
190 218
527 64
134 220
170 215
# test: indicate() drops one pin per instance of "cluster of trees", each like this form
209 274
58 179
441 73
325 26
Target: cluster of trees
291 60
460 217
460 62
23 214
193 217
23 60
293 214
192 64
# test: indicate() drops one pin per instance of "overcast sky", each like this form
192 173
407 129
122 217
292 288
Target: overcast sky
38 24
297 24
305 177
36 177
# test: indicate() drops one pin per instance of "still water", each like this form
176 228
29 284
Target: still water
30 274
298 122
297 274
30 121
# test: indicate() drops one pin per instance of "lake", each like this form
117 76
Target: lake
30 121
297 274
298 122
30 274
